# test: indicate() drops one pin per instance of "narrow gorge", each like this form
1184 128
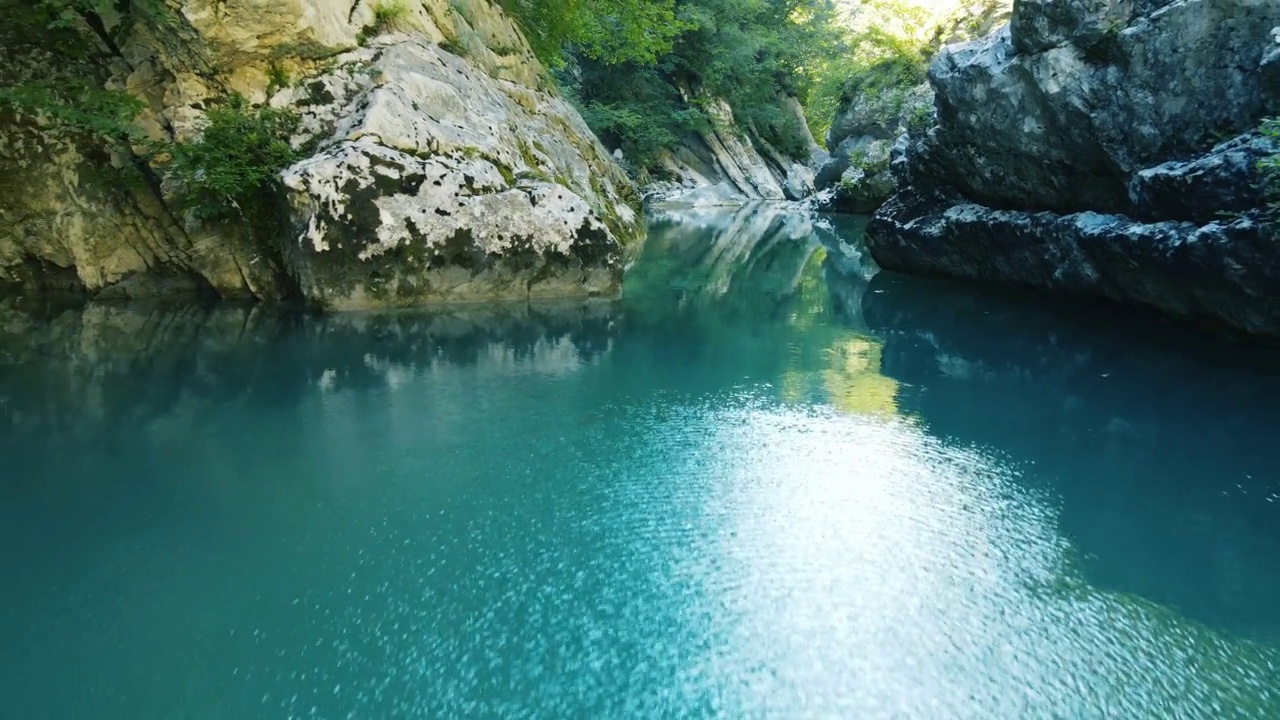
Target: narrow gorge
639 359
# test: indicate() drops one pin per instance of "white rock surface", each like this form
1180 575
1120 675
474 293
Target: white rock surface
723 167
433 174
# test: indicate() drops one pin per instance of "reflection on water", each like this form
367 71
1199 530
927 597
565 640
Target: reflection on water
1161 447
767 483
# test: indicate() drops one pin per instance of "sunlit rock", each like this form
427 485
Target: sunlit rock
441 164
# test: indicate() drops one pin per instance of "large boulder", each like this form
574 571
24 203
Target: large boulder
1060 112
1075 151
441 165
855 177
435 181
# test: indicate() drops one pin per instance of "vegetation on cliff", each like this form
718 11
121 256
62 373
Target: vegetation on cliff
225 171
887 45
643 72
608 31
229 170
50 70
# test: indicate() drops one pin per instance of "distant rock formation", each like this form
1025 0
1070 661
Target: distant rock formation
724 167
885 100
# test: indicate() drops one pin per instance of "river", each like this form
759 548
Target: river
768 482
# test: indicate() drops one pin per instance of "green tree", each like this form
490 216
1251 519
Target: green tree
230 170
610 31
640 71
755 52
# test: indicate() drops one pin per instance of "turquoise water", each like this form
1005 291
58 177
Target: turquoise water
767 483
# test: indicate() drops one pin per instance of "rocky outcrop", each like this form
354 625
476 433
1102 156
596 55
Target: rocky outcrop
441 165
1069 155
435 181
1222 182
1219 271
857 175
885 100
724 167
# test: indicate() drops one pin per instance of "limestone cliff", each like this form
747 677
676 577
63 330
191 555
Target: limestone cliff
1074 151
724 166
857 177
439 162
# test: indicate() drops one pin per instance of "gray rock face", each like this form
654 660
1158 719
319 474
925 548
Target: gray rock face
1069 155
1061 109
1222 272
1202 190
1270 71
436 175
435 181
856 175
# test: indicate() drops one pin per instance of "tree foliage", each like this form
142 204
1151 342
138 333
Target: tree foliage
753 53
77 105
608 31
230 170
640 71
886 45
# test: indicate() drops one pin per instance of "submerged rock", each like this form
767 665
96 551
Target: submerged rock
441 165
1221 271
1069 154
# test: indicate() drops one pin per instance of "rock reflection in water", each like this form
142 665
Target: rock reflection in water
754 293
126 364
1160 445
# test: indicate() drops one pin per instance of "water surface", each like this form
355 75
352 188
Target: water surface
767 483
